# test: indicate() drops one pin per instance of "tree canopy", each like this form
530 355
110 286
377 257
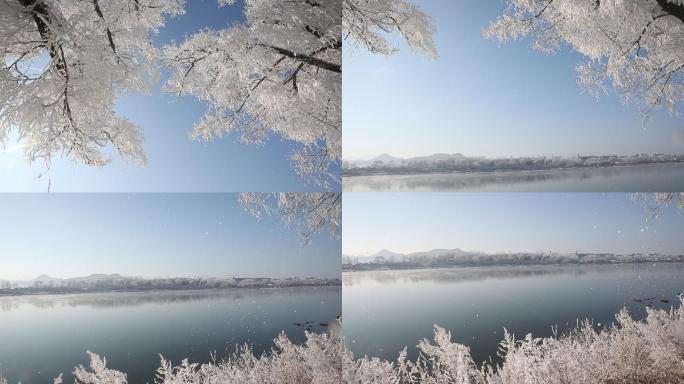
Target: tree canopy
64 65
635 45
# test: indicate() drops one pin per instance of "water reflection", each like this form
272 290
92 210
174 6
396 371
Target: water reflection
637 178
457 274
132 299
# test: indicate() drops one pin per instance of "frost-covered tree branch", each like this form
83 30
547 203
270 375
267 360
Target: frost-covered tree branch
306 213
654 203
278 73
636 45
367 23
63 65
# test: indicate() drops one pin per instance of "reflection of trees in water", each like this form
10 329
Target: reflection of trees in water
466 274
481 180
131 299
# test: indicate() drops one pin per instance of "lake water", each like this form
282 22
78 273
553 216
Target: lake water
41 336
384 311
637 178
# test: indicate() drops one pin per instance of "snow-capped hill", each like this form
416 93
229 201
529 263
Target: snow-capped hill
386 158
99 277
386 253
46 280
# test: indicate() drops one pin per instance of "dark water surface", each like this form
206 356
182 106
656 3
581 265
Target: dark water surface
633 178
41 336
384 311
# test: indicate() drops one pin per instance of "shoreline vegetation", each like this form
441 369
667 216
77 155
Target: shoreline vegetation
107 283
457 163
445 258
628 351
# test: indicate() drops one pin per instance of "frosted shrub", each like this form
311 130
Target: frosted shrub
628 352
318 361
631 351
100 373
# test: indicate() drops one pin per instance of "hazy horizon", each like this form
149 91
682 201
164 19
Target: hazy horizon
531 251
504 157
507 222
210 276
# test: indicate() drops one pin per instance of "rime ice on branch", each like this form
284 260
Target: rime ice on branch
307 213
637 45
366 24
63 65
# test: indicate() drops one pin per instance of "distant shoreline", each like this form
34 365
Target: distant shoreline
370 267
36 292
405 171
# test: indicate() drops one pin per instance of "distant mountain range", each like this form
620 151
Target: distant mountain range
388 255
389 160
386 259
45 280
456 162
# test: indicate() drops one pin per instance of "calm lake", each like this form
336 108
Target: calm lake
636 178
384 311
41 336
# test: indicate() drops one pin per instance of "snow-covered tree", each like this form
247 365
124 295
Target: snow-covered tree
307 213
63 65
278 73
367 23
637 45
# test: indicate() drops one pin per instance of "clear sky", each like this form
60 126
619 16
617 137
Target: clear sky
152 235
484 98
501 222
175 162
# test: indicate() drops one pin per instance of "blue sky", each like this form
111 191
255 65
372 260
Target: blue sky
67 235
175 162
481 97
501 222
